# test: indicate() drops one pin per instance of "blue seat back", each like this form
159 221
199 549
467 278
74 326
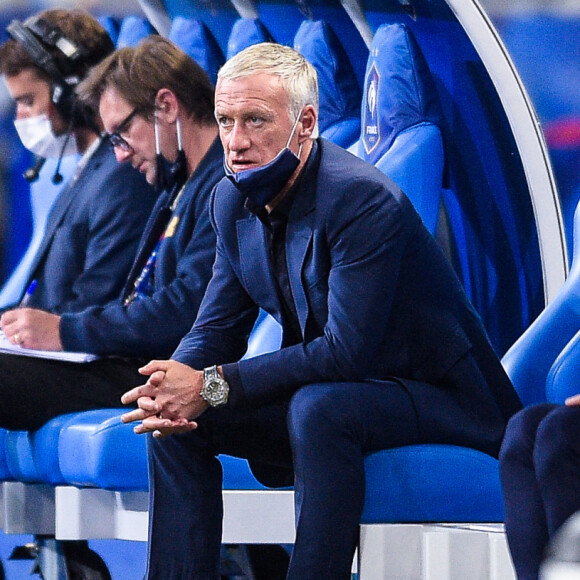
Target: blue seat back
340 94
133 29
196 40
245 32
401 119
112 26
562 381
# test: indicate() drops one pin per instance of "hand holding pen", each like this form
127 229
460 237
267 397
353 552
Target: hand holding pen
30 327
28 294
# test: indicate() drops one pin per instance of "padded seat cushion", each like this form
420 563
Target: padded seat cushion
98 450
32 456
432 483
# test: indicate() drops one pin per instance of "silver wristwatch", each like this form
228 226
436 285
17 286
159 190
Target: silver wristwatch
215 390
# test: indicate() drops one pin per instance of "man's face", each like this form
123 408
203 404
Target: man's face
31 94
253 119
138 133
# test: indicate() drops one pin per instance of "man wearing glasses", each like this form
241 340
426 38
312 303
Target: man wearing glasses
95 224
156 104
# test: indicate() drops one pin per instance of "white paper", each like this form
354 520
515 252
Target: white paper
76 357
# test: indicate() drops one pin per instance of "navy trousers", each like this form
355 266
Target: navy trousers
35 390
321 436
540 476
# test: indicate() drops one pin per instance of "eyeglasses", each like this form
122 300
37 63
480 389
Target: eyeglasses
115 138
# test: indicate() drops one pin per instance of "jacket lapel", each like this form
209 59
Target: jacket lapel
255 265
299 235
56 215
63 201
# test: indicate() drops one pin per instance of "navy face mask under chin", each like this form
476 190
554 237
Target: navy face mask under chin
262 184
170 175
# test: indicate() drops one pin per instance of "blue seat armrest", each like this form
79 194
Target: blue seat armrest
563 379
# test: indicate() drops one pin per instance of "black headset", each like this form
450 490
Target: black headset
31 35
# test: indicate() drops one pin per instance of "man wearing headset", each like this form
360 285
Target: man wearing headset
94 226
96 222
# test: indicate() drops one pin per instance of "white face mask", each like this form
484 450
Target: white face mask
37 136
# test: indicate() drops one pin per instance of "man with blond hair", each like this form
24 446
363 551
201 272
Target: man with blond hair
380 345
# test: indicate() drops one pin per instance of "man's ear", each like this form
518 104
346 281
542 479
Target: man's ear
308 123
166 105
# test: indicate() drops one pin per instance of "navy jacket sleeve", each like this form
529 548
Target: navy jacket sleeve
152 326
117 219
92 235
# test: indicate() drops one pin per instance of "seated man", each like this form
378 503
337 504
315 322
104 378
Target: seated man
157 106
540 476
380 345
97 220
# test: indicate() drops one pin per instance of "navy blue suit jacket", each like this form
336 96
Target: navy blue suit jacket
151 327
91 235
375 297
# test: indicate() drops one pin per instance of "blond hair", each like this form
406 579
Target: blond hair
297 75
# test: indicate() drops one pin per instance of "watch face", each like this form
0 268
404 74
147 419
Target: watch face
216 391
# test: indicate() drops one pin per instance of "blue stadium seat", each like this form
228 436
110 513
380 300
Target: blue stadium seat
547 348
340 95
245 32
97 450
111 25
132 30
196 40
431 483
428 483
32 456
400 120
400 135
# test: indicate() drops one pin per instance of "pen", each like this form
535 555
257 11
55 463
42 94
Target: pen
29 291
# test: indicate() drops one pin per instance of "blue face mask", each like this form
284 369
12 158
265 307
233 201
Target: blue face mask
170 175
262 184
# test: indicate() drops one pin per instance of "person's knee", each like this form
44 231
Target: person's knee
520 435
313 414
557 440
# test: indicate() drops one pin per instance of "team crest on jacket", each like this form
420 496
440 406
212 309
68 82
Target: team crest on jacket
371 127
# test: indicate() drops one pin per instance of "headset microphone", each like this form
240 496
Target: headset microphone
57 177
32 173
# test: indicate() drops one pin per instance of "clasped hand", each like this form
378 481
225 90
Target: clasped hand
169 400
